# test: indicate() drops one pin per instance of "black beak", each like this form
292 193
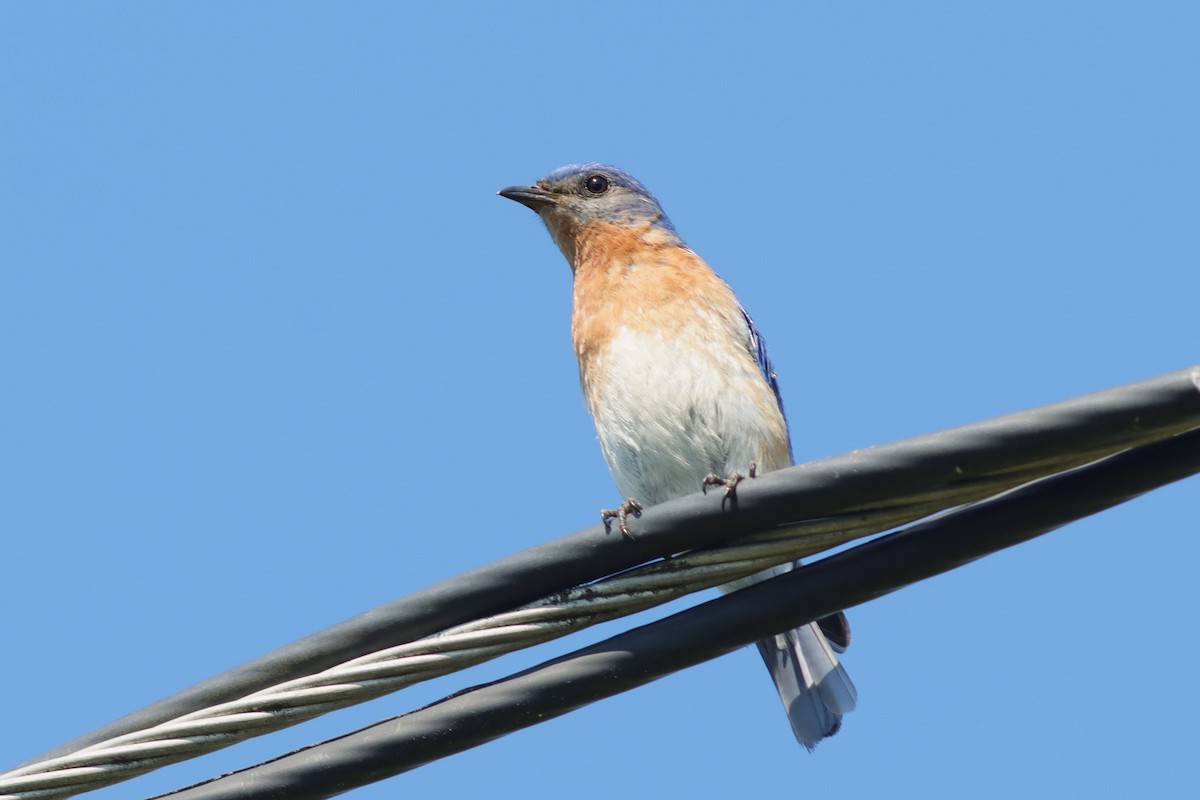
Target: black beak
529 196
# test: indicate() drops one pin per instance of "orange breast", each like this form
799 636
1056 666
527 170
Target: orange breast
632 278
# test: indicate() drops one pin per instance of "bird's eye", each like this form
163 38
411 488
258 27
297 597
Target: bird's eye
596 184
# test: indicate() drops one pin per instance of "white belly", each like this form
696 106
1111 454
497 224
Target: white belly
670 412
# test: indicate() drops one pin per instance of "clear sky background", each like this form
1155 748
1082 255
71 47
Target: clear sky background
274 353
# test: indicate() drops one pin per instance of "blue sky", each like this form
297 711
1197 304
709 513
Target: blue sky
274 353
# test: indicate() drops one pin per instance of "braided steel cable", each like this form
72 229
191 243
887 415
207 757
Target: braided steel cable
383 672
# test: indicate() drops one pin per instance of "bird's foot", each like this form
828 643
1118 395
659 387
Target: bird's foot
731 482
621 515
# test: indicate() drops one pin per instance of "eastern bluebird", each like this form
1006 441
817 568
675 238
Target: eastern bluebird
678 382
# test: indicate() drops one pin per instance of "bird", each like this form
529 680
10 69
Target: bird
677 379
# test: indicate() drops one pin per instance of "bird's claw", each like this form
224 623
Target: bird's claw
621 515
731 482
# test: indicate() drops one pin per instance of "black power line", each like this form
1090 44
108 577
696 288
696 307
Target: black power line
1103 422
708 630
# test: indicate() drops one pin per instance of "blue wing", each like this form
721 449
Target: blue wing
759 349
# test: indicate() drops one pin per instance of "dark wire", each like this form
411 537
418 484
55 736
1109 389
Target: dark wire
890 474
705 631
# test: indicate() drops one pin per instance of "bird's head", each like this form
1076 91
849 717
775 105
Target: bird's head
577 198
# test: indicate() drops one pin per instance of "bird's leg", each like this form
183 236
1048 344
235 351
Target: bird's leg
621 515
731 482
